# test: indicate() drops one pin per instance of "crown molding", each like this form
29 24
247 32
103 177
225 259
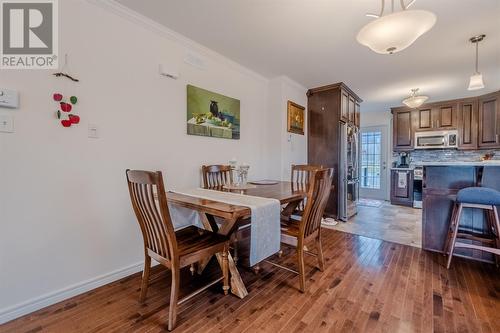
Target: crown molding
118 9
293 83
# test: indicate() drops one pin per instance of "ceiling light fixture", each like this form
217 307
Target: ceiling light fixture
396 31
476 80
414 101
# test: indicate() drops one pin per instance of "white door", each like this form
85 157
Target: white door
373 170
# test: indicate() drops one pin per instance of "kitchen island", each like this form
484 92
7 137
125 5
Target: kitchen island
441 183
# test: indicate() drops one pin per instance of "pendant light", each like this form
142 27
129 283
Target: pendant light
476 79
414 101
396 31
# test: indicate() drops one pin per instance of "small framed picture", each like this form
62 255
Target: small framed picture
295 118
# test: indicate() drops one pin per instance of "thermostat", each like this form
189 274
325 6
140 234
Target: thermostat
9 99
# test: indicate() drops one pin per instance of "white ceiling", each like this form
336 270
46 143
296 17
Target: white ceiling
314 43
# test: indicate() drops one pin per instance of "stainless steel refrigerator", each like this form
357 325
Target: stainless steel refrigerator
349 171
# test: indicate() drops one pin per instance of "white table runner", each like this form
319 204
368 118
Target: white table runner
265 226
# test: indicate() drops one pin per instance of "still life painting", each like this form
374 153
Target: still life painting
212 114
295 118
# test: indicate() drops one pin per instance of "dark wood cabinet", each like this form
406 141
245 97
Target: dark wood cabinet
357 115
424 118
446 116
402 130
351 110
327 107
402 187
436 117
489 121
467 124
477 120
440 187
344 107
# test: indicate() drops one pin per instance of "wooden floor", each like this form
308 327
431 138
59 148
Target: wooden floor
369 285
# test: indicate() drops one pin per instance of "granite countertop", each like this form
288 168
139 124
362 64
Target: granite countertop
460 163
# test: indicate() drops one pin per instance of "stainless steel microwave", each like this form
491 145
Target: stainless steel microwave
436 139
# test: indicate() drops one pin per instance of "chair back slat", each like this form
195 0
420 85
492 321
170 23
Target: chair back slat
152 213
216 176
301 178
317 198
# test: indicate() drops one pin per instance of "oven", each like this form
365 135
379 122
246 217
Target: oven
436 139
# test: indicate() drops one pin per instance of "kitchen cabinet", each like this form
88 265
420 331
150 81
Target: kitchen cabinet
344 106
440 116
445 116
351 110
489 121
477 120
441 185
402 187
402 130
424 118
357 115
327 107
467 124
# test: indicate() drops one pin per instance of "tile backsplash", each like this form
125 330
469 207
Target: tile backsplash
448 155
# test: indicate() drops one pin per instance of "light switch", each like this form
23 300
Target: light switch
93 131
6 124
9 99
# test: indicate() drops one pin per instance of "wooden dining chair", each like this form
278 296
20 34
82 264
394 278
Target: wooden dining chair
216 176
300 179
172 249
308 228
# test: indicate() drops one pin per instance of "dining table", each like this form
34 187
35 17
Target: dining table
224 218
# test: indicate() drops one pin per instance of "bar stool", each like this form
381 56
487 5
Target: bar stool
475 197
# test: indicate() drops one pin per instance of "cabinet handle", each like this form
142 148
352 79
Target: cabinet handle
496 138
438 123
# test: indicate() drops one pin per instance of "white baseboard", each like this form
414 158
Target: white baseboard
18 310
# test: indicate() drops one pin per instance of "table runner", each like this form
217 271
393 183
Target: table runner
265 213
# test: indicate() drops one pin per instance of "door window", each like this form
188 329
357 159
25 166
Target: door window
371 150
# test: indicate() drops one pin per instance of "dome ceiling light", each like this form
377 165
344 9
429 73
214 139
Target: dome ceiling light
396 31
476 79
414 101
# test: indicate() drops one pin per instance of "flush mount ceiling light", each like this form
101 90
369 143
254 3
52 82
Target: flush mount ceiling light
476 79
396 31
414 101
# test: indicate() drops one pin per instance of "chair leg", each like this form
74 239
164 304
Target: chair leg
496 224
174 297
302 276
145 278
225 270
235 247
321 259
456 223
450 229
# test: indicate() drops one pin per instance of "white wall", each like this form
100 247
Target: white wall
65 213
381 118
293 147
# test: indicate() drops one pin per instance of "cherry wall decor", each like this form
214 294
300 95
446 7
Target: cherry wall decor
66 106
65 112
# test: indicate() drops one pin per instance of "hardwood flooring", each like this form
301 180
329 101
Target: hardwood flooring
368 285
391 223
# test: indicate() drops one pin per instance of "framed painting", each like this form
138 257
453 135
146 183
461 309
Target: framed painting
295 118
212 114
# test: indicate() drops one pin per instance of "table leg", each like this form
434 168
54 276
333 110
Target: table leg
290 208
237 286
